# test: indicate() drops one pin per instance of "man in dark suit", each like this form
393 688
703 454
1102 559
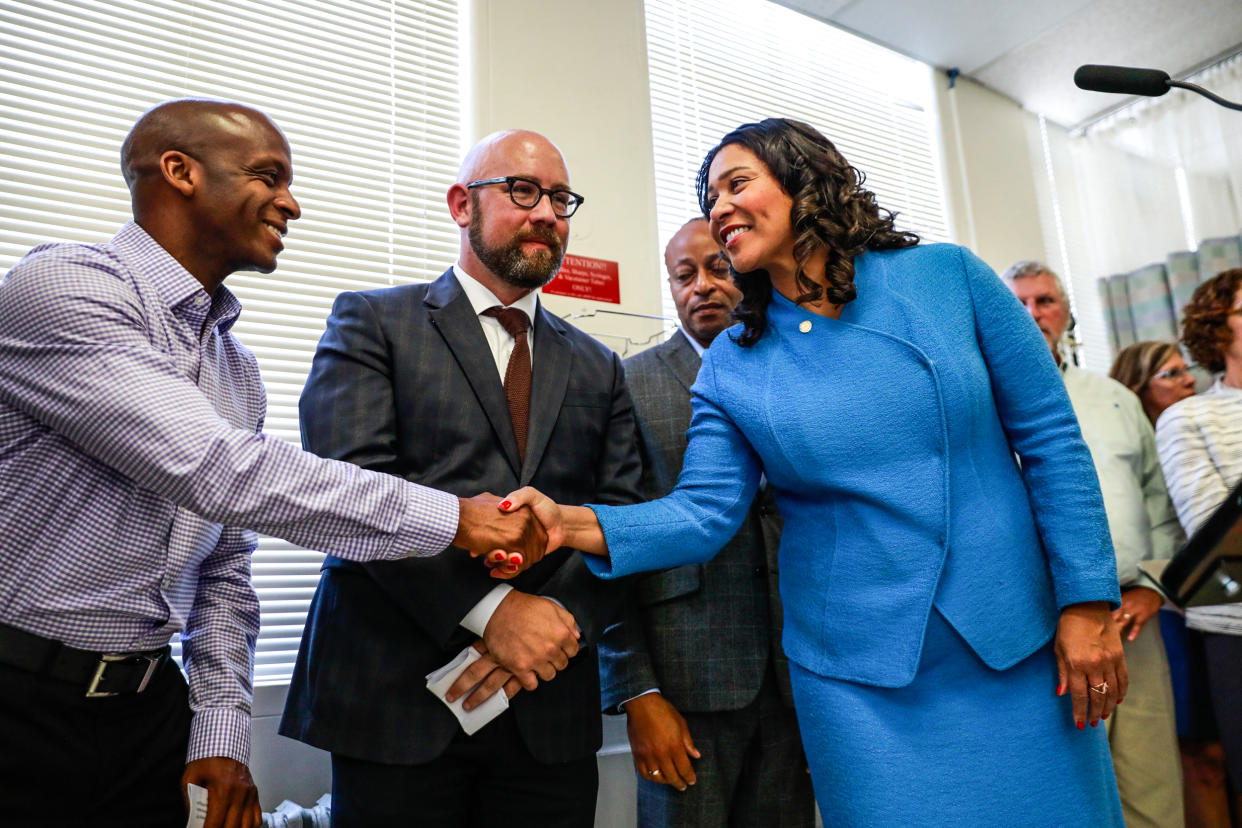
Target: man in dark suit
434 384
696 663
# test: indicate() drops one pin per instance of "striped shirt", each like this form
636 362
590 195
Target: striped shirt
134 473
1200 444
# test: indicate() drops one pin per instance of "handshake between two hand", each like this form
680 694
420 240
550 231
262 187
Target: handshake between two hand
511 534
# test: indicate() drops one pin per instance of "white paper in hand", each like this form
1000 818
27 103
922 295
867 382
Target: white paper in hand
198 805
439 681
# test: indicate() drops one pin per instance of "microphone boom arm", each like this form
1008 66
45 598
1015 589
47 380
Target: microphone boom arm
1211 96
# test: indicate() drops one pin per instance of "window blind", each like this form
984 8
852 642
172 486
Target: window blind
716 64
367 92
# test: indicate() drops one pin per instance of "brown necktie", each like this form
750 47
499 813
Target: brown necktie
517 375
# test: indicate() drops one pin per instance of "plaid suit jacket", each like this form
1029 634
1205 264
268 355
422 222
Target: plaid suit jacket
702 633
403 382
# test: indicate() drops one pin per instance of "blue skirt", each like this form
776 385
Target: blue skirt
963 744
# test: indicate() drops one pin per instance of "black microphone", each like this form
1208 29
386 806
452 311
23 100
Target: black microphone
1127 80
1124 80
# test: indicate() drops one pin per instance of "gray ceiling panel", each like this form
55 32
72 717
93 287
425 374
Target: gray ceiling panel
1029 50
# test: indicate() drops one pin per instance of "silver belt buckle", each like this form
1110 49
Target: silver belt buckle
92 689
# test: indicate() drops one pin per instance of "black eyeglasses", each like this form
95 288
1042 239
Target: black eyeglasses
526 194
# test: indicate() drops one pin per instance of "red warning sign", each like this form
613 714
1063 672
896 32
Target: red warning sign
585 278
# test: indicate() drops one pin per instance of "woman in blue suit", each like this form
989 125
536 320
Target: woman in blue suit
946 568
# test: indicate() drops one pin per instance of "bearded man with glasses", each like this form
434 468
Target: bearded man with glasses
469 382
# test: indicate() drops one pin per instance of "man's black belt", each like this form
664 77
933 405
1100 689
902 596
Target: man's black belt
100 675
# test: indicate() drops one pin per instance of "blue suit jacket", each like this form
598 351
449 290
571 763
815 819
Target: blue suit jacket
403 382
889 437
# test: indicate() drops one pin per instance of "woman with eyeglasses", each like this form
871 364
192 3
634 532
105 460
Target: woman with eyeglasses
946 611
1200 444
1156 372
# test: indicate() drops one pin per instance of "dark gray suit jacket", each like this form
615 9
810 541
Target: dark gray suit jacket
703 633
403 382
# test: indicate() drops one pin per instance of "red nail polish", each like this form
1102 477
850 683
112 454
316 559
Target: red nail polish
506 505
1096 722
1060 689
1082 725
1105 716
516 559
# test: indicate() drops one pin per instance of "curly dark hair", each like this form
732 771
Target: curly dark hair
1205 331
831 210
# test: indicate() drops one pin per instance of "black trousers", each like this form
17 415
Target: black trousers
481 781
66 760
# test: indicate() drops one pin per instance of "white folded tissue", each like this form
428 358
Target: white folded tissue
439 681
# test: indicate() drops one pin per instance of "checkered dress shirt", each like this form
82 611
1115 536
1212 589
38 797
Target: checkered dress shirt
131 457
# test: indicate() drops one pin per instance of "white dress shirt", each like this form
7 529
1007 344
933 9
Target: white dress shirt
498 339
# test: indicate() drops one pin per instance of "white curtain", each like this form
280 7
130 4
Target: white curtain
1184 129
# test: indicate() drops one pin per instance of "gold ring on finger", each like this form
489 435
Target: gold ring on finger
653 772
1101 688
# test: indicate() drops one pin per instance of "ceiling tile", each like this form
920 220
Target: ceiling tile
1029 49
1146 33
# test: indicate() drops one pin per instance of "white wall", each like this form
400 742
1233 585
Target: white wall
1004 206
283 768
989 174
596 106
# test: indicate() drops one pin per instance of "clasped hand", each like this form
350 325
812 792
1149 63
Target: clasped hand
511 540
528 639
511 534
